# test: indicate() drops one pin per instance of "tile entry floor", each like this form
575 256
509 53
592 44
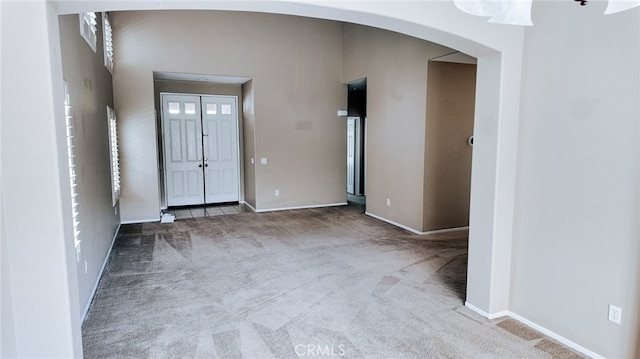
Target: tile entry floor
209 210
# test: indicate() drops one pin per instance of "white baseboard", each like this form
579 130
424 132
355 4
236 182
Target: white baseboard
248 205
299 207
446 230
141 221
537 327
556 336
104 265
392 222
489 316
415 231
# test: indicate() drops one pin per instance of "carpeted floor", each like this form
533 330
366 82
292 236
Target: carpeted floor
318 283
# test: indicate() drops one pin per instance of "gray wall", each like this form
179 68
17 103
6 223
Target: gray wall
576 244
296 67
90 90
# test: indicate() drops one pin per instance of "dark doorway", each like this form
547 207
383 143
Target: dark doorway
357 114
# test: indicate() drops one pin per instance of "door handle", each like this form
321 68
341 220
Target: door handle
206 165
200 165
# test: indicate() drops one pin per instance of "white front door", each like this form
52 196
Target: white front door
351 147
200 149
220 141
182 126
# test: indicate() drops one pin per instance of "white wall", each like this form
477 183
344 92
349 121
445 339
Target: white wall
576 238
37 234
7 329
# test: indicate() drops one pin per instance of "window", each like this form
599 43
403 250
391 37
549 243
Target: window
174 108
189 108
108 42
88 28
113 153
73 182
225 109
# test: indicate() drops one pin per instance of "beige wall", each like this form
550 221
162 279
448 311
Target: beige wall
296 67
199 88
396 72
451 89
90 91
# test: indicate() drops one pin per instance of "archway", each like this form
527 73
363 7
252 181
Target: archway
498 50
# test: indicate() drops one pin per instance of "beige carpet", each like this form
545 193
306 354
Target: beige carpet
321 283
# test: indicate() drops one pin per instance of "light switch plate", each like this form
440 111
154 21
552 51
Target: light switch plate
263 161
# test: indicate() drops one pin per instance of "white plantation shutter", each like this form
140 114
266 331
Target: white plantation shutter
88 28
108 42
73 182
115 157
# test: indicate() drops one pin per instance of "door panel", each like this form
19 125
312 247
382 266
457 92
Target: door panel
211 145
220 124
193 138
213 182
182 129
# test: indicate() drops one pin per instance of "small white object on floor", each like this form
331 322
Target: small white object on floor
167 218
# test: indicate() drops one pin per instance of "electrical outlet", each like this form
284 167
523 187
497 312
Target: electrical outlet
264 161
277 192
615 313
388 202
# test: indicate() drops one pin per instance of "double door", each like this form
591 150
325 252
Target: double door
200 141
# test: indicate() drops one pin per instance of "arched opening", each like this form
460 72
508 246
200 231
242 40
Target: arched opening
495 132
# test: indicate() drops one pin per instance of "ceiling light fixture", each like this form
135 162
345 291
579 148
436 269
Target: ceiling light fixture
518 12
